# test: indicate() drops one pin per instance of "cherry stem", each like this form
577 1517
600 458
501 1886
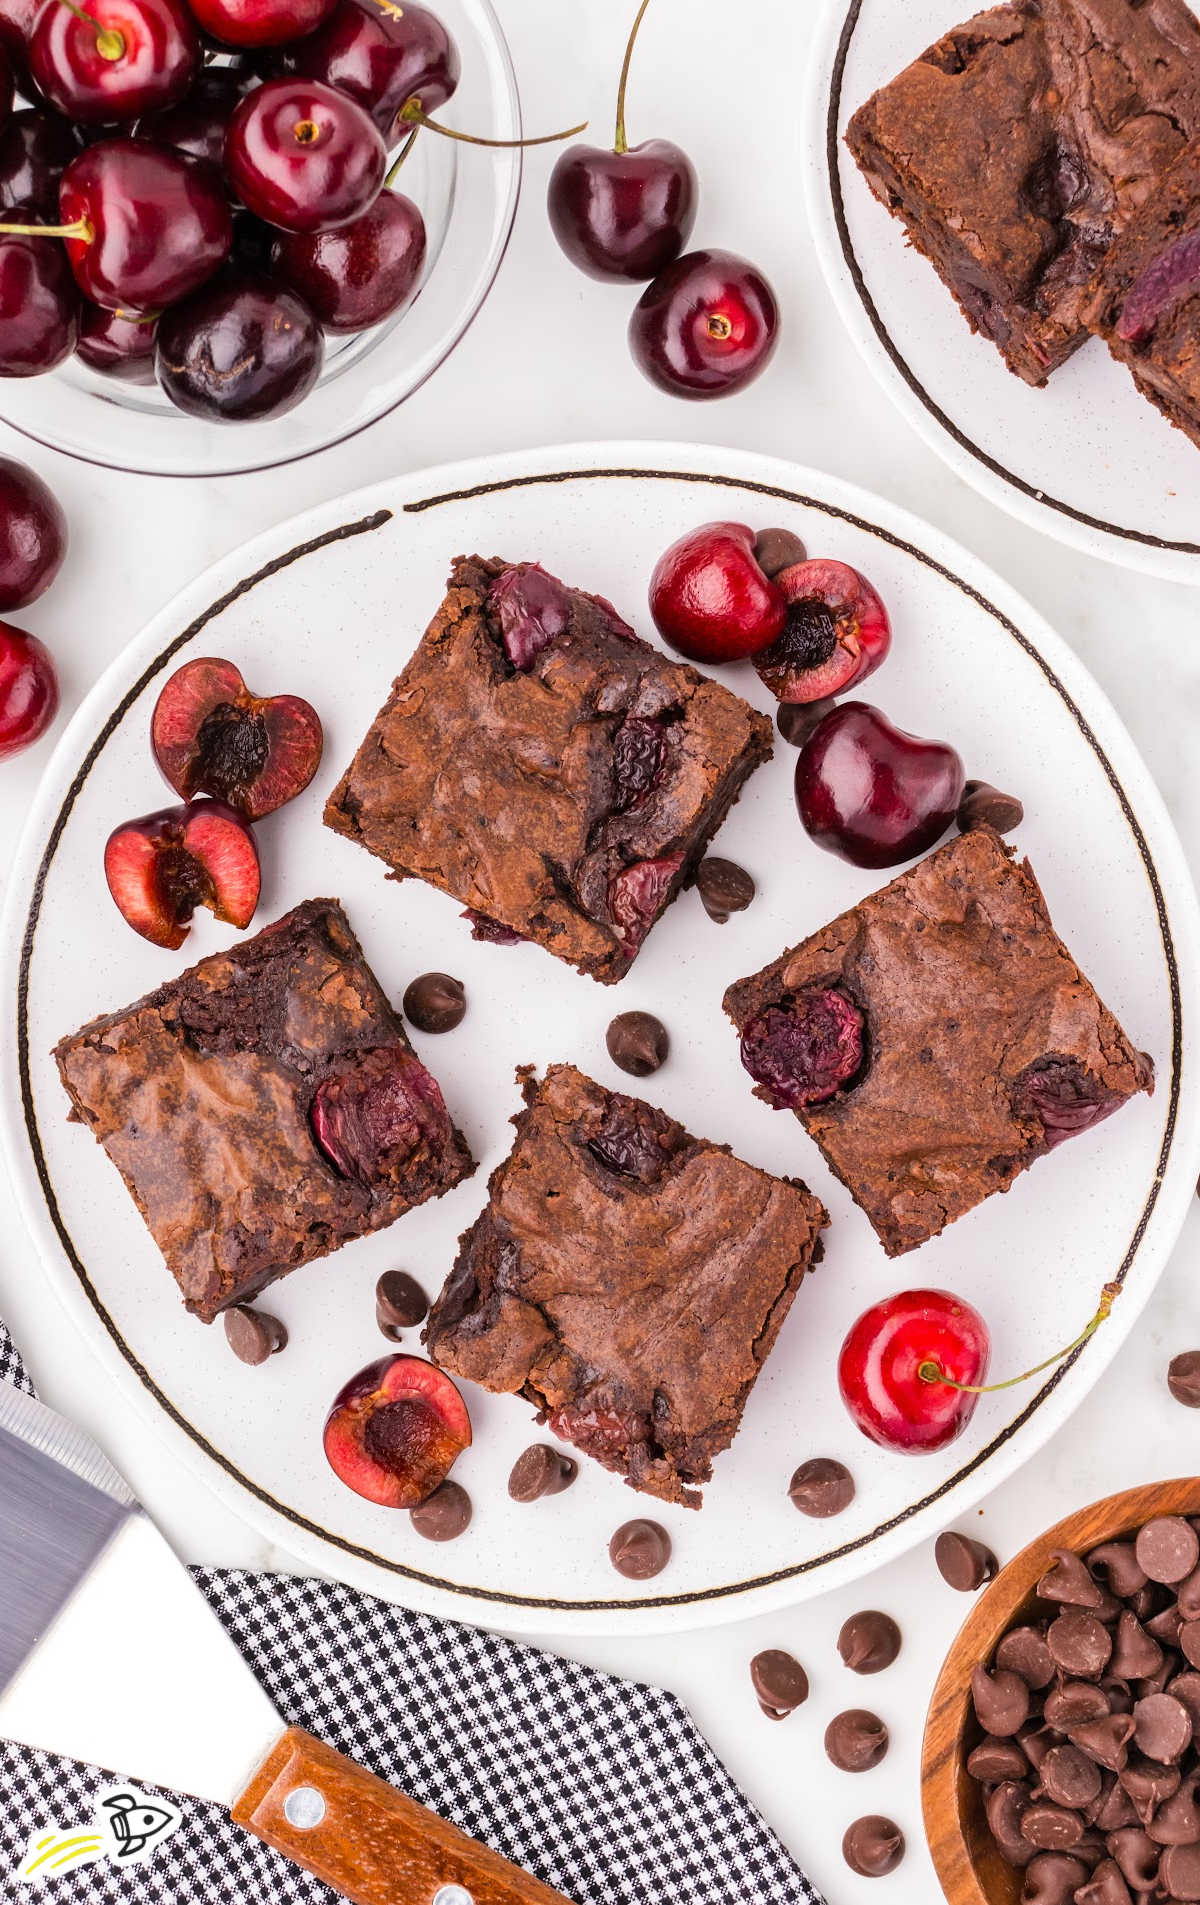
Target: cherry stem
403 153
82 228
109 43
930 1371
413 114
620 143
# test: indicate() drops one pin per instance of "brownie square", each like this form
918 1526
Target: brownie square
264 1108
543 765
936 1039
627 1279
1019 144
1145 300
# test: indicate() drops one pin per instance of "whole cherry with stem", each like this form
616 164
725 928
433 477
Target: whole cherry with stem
114 60
363 272
626 213
118 344
705 326
382 55
28 690
39 303
303 156
260 22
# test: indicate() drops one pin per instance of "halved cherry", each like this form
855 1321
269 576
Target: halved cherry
396 1430
835 633
210 735
162 867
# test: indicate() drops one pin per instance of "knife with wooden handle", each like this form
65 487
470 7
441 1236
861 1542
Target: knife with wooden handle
109 1653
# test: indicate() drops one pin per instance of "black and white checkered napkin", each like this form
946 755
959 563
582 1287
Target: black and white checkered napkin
603 1788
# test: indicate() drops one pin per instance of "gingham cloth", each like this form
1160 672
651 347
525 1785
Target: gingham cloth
601 1787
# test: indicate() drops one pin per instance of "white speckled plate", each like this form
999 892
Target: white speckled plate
330 606
1087 459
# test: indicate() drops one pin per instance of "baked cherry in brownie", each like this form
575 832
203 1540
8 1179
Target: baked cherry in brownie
264 1108
936 1039
555 774
637 1321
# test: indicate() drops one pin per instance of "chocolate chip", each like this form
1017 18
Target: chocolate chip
1069 1776
994 1759
640 1549
1136 1654
445 1515
252 1335
1068 1581
1165 1627
435 1002
777 549
1105 1887
724 887
1079 1642
1168 1548
779 1681
1035 1741
873 1846
1074 1703
1024 1651
983 805
1051 1828
1137 1856
1179 1872
963 1563
1183 1378
1001 1702
1188 1597
1186 1688
1053 1879
857 1740
1149 1786
1176 1821
869 1642
1116 1563
400 1303
1106 1740
1162 1728
796 720
637 1043
540 1471
821 1487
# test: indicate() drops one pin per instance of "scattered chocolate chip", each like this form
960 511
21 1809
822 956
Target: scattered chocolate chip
779 1681
873 1846
1024 1651
1183 1378
983 805
963 1563
640 1549
821 1487
400 1303
857 1740
1053 1879
445 1515
252 1335
637 1043
541 1470
777 549
869 1641
435 1002
724 887
1168 1548
1001 1702
797 719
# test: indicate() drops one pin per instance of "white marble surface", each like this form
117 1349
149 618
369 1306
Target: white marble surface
546 362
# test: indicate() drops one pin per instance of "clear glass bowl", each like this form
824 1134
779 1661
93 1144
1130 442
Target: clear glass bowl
468 198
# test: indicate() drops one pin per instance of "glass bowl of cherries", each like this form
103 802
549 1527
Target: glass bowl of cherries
233 232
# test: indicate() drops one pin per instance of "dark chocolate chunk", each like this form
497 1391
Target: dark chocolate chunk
983 805
445 1515
873 1846
963 1563
435 1002
252 1335
640 1549
857 1740
869 1642
1079 1642
779 1681
1168 1548
777 549
1024 1651
1053 1879
400 1303
541 1470
637 1043
1183 1378
821 1487
1001 1701
724 887
797 719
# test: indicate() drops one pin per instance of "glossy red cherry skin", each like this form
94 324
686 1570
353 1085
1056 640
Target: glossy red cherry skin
160 58
880 1361
242 348
28 690
117 344
624 215
836 632
361 273
260 22
706 326
33 535
16 25
199 123
709 598
7 85
39 303
303 156
871 793
161 223
381 57
35 150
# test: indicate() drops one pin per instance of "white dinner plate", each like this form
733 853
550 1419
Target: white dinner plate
329 606
1087 459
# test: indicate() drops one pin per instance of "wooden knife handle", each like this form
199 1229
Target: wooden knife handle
370 1842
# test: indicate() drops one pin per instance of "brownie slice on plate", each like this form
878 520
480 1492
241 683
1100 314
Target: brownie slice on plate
936 1039
557 775
264 1108
627 1279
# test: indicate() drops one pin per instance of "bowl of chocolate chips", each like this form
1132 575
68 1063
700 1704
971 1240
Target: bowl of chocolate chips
1061 1760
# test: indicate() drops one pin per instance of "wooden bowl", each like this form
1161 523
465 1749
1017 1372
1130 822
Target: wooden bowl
967 1861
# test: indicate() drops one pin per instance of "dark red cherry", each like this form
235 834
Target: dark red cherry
889 1365
16 25
361 273
241 348
33 535
836 632
39 302
117 343
382 56
198 124
28 690
7 85
710 598
149 224
871 793
706 326
124 58
35 150
260 22
303 156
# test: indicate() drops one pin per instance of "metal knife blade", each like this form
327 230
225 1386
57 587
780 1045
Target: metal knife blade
108 1651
